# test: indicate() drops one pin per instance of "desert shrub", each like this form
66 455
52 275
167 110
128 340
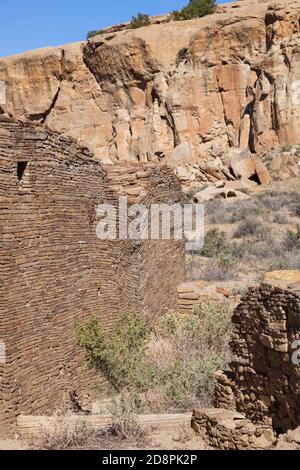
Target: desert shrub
124 411
292 239
276 200
222 213
295 210
140 20
284 260
220 269
286 147
214 243
251 226
178 357
281 217
117 356
194 266
215 320
197 347
194 9
61 432
93 33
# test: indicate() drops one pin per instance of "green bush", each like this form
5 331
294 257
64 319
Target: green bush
195 9
119 356
286 147
93 33
214 243
140 20
198 347
175 361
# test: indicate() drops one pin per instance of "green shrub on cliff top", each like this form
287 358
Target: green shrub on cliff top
195 9
93 33
140 20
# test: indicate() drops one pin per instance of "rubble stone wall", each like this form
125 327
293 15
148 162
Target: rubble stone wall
264 381
228 430
54 270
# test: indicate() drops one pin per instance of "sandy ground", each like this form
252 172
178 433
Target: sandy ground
180 438
13 444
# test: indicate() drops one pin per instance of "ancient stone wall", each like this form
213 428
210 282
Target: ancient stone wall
55 271
264 381
228 430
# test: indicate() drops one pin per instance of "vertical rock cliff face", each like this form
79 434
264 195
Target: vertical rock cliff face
178 92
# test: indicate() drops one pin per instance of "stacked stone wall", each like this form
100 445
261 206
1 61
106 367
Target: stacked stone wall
264 381
55 271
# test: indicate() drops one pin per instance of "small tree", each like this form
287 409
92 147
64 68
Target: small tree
140 20
93 33
195 9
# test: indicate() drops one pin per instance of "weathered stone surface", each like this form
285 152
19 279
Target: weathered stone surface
228 430
289 441
242 164
264 381
54 270
283 164
178 91
191 294
246 165
211 193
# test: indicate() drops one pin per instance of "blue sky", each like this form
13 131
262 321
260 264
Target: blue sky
30 24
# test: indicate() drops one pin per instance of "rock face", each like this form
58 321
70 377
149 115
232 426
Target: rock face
283 165
55 270
183 92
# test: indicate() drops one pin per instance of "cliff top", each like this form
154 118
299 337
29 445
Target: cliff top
162 31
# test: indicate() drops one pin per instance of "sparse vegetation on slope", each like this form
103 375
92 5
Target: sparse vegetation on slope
140 20
93 33
244 239
195 9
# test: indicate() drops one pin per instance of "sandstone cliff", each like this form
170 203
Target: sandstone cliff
179 91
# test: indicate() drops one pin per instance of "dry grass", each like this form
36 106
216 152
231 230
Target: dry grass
246 238
124 410
61 431
185 351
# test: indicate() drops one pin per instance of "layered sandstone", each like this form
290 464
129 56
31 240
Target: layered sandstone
183 92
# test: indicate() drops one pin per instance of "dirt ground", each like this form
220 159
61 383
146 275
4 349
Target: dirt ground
13 444
180 438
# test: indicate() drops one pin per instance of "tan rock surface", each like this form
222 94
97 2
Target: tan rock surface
184 91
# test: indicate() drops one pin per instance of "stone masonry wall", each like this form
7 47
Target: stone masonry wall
264 383
229 430
55 271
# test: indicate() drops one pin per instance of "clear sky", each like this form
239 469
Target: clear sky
30 24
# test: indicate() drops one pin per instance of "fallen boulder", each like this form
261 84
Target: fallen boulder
245 165
212 192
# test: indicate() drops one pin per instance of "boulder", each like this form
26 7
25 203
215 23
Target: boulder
262 172
289 441
242 164
245 165
212 192
283 165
